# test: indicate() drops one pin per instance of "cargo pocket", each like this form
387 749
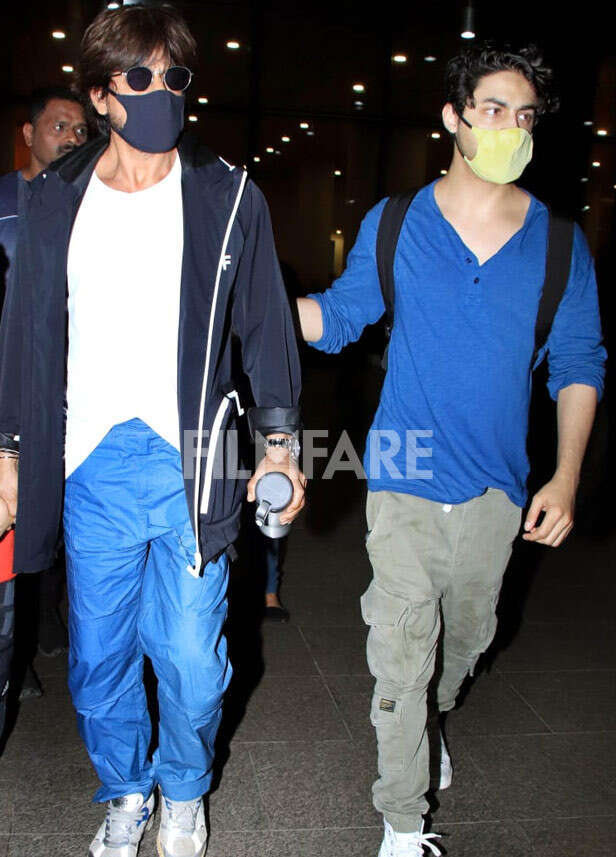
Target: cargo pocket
385 614
487 630
386 715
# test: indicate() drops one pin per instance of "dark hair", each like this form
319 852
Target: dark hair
466 69
39 100
120 38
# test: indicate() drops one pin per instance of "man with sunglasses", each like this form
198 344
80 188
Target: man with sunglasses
145 255
446 459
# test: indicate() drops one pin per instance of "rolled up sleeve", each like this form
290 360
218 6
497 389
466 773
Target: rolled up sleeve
575 351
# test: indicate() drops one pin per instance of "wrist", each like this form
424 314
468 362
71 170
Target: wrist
568 475
281 447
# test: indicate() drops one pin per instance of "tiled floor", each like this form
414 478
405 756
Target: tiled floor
534 742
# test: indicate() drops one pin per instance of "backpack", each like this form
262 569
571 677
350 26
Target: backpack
558 264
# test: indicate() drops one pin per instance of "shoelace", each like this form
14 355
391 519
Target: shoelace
424 839
122 825
182 814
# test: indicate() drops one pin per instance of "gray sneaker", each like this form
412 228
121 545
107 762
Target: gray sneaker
121 832
182 828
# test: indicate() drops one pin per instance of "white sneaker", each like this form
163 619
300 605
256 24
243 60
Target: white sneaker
407 844
121 832
182 828
446 773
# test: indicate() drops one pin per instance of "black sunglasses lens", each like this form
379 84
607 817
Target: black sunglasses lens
177 78
139 78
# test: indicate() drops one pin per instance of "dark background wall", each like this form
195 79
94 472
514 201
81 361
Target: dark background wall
297 63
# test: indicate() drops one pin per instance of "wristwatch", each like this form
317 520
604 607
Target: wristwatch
290 443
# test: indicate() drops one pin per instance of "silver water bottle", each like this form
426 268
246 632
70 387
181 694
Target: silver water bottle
273 492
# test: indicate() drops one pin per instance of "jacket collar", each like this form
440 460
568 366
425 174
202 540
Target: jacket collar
77 166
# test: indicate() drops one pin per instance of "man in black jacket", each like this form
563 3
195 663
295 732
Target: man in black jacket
56 124
162 251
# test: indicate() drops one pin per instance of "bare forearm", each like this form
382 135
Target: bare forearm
311 319
575 413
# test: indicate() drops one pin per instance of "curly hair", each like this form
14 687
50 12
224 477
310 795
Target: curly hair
465 70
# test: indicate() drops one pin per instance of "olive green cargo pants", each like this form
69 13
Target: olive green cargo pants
434 565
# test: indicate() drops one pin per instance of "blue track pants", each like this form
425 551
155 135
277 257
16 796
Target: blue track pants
128 544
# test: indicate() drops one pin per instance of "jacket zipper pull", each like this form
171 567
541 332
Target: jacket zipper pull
235 396
196 569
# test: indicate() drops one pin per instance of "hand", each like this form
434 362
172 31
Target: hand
279 460
8 484
6 519
557 500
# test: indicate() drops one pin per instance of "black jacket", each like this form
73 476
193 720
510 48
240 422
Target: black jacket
231 282
9 184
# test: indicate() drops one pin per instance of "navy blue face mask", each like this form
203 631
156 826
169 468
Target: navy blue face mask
154 121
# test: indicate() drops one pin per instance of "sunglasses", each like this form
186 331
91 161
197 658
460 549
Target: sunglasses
139 77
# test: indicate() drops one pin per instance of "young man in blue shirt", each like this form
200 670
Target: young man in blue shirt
446 458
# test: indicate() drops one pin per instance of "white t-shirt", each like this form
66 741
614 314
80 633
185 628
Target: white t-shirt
124 274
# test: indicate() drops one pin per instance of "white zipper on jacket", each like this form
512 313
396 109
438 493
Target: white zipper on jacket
213 445
195 570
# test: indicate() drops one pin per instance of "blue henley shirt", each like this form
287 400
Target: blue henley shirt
453 415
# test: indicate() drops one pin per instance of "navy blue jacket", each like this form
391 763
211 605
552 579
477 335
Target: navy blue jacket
231 282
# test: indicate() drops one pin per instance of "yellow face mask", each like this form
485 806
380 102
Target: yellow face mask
502 153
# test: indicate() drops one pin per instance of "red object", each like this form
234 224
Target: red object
7 545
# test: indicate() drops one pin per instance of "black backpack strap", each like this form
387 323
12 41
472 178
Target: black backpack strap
388 233
557 267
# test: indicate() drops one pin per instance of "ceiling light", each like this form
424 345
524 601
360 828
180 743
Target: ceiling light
468 23
310 133
270 150
586 208
68 68
233 46
596 163
304 126
113 5
584 180
602 132
435 135
588 122
277 152
285 139
203 100
359 105
58 34
429 58
359 87
256 159
338 231
400 58
443 172
337 172
193 118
